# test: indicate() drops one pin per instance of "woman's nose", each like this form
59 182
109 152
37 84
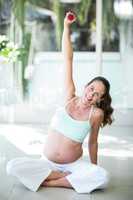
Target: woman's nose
91 94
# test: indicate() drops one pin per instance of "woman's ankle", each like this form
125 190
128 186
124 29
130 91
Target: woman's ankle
56 175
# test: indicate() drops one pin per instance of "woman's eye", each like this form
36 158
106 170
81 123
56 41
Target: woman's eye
96 94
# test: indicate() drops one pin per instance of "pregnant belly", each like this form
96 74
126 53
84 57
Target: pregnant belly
60 149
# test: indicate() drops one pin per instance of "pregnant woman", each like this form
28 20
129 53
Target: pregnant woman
62 164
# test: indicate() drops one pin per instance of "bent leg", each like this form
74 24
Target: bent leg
30 172
86 177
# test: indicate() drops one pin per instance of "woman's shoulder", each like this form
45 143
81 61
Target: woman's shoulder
98 112
98 115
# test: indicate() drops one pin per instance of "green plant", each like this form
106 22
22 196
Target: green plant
82 10
110 21
59 10
8 49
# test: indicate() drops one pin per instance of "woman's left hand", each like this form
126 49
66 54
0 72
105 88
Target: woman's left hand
69 18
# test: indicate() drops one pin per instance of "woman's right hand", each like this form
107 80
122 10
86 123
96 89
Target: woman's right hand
69 18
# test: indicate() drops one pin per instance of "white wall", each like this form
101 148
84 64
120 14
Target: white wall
48 76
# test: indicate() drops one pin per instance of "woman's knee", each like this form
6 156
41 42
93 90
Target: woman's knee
13 166
105 178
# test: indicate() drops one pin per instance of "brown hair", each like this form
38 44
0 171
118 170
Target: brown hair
105 103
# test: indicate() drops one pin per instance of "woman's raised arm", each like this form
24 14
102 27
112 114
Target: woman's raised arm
68 56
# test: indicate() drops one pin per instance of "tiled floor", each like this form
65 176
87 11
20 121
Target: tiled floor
115 154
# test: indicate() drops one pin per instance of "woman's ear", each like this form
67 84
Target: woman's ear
102 99
99 101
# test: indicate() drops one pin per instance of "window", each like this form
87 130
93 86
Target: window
49 26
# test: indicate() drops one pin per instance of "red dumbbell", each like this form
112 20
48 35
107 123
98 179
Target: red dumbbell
71 16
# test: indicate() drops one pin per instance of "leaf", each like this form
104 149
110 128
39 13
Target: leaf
18 8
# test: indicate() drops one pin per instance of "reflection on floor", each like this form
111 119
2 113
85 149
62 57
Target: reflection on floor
115 154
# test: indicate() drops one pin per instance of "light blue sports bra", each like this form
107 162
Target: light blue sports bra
74 129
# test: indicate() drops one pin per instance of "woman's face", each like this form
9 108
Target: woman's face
93 93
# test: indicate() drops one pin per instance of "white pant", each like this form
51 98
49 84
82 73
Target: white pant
84 178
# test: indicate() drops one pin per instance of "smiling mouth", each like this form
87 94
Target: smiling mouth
88 100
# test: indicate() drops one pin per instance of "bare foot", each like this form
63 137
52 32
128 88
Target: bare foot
55 175
61 182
